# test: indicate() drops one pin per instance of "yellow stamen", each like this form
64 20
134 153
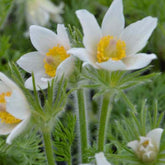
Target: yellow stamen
145 143
53 58
110 48
5 116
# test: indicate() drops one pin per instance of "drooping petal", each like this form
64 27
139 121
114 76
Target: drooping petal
91 29
6 128
32 62
82 54
137 34
113 22
63 36
133 145
42 38
17 130
155 135
17 105
112 65
65 68
40 83
138 61
101 160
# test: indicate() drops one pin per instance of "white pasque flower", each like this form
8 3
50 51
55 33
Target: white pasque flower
100 159
113 47
39 12
50 59
147 147
14 109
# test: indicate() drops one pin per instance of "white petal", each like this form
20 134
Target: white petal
65 68
6 128
83 55
137 34
112 65
91 29
155 135
138 61
4 88
32 62
17 105
113 22
42 39
133 145
9 83
17 130
101 160
39 80
63 36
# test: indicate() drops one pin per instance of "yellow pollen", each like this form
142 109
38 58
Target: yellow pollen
110 48
53 58
145 143
5 116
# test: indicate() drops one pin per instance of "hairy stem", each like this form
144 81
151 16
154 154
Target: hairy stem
48 146
82 123
104 116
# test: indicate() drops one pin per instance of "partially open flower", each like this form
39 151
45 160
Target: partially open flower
14 109
51 58
113 47
147 148
39 12
100 160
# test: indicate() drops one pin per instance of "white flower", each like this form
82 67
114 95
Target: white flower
39 12
147 147
113 47
50 59
14 109
100 159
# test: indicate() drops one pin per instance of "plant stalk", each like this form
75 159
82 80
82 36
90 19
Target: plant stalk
48 146
82 124
104 117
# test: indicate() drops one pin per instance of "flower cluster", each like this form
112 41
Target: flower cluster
111 47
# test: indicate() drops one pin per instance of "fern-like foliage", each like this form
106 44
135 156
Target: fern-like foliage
64 134
130 128
25 150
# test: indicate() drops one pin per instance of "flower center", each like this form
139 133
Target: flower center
5 116
110 48
145 143
53 58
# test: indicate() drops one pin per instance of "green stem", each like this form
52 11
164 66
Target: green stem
104 116
48 146
82 123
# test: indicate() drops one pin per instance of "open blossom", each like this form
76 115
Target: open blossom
39 12
147 148
51 58
14 109
100 159
113 47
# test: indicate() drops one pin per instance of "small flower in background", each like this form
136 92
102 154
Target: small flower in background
50 59
100 159
40 12
112 47
147 148
14 109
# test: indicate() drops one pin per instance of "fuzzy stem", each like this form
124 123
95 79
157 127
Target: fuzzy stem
48 146
104 116
82 123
